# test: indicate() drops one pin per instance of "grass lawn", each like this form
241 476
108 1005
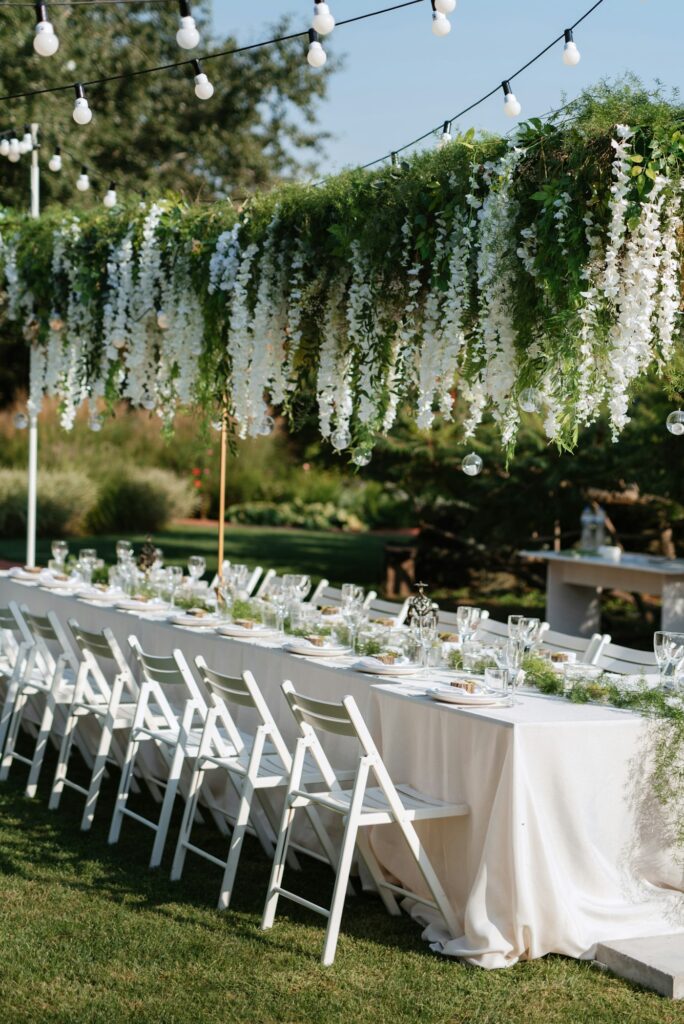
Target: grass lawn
341 557
91 936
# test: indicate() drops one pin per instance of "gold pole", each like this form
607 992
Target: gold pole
222 494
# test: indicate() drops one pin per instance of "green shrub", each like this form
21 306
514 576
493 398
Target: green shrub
141 501
65 501
314 516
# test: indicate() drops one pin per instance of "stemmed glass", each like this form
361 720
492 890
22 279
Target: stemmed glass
508 657
174 578
196 567
124 551
525 630
353 614
86 561
351 594
60 551
467 621
669 652
424 633
279 596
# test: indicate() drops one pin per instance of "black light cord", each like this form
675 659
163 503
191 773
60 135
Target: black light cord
191 60
487 96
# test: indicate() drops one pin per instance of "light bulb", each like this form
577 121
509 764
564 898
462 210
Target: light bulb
187 35
675 423
204 90
14 149
26 144
163 321
341 439
323 21
21 421
441 26
4 147
571 55
445 137
45 41
445 6
512 107
266 426
82 112
83 181
472 465
55 161
362 457
109 199
530 400
316 55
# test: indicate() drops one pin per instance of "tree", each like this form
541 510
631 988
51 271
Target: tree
150 133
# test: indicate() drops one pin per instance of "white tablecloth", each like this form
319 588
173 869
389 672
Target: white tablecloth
564 846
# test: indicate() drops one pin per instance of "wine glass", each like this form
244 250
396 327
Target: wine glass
353 614
60 551
196 567
515 626
86 560
467 621
174 578
508 657
669 652
124 551
351 594
279 596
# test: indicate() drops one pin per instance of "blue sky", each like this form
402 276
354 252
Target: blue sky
399 80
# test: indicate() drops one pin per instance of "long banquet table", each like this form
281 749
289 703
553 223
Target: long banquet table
564 847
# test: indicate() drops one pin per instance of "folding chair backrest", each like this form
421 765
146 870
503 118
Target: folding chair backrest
102 647
230 689
263 586
46 629
321 715
626 660
587 649
168 670
11 636
326 595
8 623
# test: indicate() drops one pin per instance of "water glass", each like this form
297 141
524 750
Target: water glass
496 681
60 551
669 653
351 594
124 551
468 621
174 579
196 567
86 563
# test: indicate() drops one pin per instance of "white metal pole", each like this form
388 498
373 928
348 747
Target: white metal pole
32 412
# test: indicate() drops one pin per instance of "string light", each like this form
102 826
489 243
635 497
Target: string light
109 199
83 181
4 146
55 161
323 21
571 55
316 55
441 26
14 148
512 106
204 90
45 41
445 6
26 144
445 137
187 35
82 112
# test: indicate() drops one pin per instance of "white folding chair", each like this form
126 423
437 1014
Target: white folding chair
261 764
52 677
109 704
14 647
389 609
318 591
626 660
263 586
251 582
172 731
588 650
361 806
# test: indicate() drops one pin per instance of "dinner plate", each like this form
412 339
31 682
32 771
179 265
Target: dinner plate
52 583
454 695
198 621
312 651
259 632
129 605
379 668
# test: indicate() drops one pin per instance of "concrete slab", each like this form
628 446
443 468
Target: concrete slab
656 962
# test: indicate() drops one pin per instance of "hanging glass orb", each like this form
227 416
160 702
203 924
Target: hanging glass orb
21 421
362 457
472 465
266 426
530 400
217 425
675 422
95 423
341 439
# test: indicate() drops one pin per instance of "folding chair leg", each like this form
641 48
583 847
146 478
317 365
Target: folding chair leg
340 892
364 846
431 880
62 763
186 824
122 794
236 841
97 775
7 708
278 868
167 807
41 743
12 734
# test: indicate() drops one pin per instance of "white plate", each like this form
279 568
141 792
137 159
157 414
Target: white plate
454 695
312 651
199 621
379 668
51 583
129 605
243 633
24 576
